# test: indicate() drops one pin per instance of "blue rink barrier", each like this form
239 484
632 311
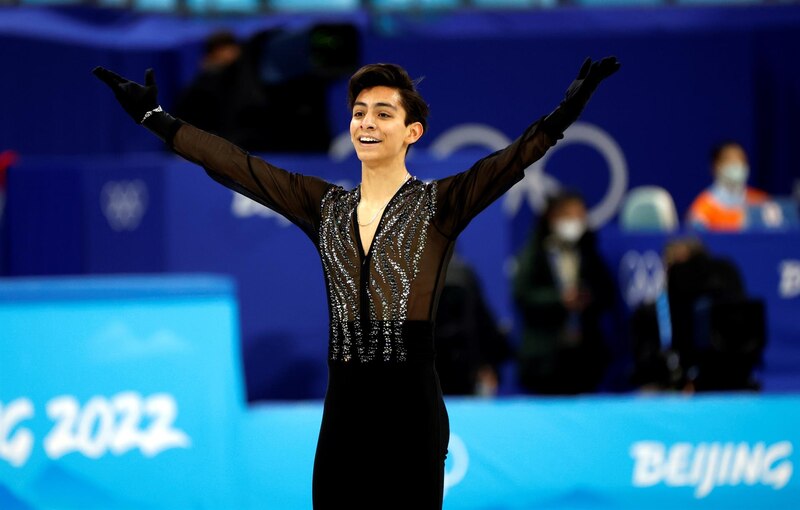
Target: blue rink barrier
125 393
119 393
720 452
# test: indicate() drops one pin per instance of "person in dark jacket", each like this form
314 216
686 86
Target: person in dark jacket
469 344
562 288
715 332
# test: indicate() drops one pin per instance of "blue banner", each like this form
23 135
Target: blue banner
574 454
126 394
119 393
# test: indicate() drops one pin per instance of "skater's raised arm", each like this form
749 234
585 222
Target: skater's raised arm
464 195
295 196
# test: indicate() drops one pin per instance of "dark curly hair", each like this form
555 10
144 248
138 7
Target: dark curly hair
394 76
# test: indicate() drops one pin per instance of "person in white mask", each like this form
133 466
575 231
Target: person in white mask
562 288
723 206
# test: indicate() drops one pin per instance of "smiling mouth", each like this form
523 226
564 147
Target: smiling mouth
368 140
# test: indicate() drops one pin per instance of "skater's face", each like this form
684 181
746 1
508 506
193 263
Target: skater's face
378 127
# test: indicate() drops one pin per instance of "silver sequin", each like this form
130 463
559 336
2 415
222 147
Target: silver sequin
394 259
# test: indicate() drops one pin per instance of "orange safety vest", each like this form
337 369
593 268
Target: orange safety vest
708 212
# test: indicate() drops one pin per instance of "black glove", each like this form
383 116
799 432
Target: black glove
141 102
578 94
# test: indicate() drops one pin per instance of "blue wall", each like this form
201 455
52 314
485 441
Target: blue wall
158 213
691 77
92 194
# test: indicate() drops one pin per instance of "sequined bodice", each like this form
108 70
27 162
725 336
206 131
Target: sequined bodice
368 293
375 285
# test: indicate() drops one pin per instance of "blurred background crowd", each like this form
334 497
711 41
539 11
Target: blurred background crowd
657 250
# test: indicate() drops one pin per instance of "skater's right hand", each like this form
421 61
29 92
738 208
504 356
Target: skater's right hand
135 98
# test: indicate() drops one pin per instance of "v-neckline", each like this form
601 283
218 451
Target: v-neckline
366 253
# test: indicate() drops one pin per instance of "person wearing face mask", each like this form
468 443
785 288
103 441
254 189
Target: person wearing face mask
562 288
723 206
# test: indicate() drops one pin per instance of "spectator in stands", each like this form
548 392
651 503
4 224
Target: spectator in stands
717 331
712 335
562 288
206 101
656 356
469 345
723 206
230 98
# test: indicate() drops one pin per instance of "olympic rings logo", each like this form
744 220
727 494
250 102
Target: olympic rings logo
641 277
124 204
537 185
789 286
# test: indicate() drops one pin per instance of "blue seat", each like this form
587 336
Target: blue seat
648 208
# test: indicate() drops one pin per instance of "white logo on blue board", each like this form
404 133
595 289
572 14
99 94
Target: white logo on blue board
789 286
457 461
124 204
16 442
705 466
641 277
243 207
102 426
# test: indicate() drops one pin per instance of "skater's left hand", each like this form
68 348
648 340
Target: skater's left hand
589 77
578 94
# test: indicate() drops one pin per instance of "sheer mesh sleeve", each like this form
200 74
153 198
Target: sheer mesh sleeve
295 196
464 195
